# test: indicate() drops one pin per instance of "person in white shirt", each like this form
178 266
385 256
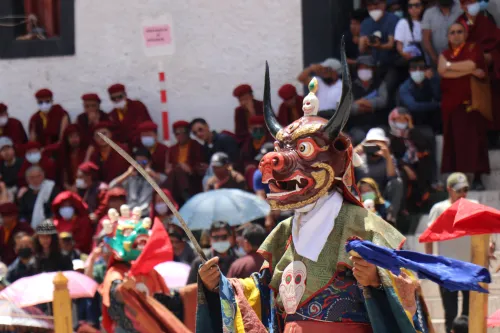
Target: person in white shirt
329 84
408 33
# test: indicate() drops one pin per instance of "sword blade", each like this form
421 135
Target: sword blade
158 190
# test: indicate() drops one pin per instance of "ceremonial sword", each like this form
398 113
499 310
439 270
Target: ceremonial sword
162 195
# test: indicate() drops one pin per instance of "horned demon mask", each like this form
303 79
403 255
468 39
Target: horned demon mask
311 154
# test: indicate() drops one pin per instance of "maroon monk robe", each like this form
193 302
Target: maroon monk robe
83 122
135 114
14 129
287 115
7 247
159 154
49 133
241 116
464 130
47 165
110 166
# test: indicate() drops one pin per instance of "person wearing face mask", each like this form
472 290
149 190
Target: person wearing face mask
248 106
71 216
329 85
10 164
369 190
224 176
33 156
126 113
34 200
10 226
11 127
394 6
91 190
159 209
67 244
91 115
421 95
253 236
24 265
47 125
148 132
220 233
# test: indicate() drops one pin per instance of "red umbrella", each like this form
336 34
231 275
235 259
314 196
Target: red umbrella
442 228
494 319
477 219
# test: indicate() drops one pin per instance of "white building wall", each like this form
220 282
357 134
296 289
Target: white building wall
219 44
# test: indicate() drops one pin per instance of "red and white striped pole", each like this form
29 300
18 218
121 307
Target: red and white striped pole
163 99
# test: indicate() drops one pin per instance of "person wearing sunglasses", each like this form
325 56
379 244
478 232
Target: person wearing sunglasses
462 112
140 193
408 33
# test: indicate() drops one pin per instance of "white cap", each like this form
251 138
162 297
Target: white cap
332 63
376 134
5 141
78 264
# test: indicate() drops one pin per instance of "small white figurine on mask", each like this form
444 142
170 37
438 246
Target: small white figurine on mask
310 104
125 212
136 214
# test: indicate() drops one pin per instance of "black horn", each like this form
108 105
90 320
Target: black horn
339 119
271 122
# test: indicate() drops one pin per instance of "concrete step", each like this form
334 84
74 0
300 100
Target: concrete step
435 306
439 327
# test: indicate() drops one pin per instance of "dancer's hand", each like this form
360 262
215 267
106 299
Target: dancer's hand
210 274
365 273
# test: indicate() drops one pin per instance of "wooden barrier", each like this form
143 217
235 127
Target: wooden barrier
478 306
62 305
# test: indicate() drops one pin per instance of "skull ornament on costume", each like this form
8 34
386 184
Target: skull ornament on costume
311 154
293 285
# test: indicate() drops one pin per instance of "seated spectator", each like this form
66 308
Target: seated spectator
114 198
148 136
370 96
10 227
11 127
91 115
48 254
421 94
159 209
70 154
464 125
377 37
224 176
329 84
460 325
369 190
248 107
24 265
34 157
253 236
10 164
251 146
408 33
259 188
379 164
220 246
91 190
394 6
213 141
67 244
291 107
126 113
352 36
47 124
183 252
184 169
139 192
110 163
70 215
34 200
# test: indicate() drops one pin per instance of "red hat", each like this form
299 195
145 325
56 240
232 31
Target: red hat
287 91
44 93
91 97
32 145
116 88
116 192
88 167
3 107
256 120
242 90
148 126
8 208
180 124
103 124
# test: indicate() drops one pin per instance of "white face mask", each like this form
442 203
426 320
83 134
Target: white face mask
365 74
376 14
401 126
148 141
474 8
121 104
399 13
417 76
3 120
33 158
67 212
45 107
221 247
161 208
240 252
80 183
483 5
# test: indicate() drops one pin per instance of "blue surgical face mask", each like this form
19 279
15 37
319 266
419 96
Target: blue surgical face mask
401 126
148 141
161 208
399 13
474 8
368 195
240 252
67 212
34 157
221 246
483 5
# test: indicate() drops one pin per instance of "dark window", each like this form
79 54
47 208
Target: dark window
37 28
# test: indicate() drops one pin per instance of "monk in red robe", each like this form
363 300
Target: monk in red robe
148 132
110 163
48 124
70 215
127 114
91 190
291 108
8 230
248 107
465 142
91 115
33 156
11 127
185 164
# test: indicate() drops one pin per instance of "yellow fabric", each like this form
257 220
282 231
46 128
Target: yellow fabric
183 153
6 233
1 131
121 113
105 155
44 119
257 144
252 294
295 113
393 280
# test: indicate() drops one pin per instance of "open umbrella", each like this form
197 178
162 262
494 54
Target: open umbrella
494 319
229 205
442 228
31 319
39 289
476 218
174 273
